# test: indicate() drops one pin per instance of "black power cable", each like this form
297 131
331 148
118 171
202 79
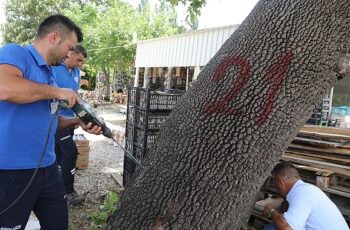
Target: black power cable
126 153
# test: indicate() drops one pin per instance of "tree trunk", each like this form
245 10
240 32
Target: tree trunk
107 83
227 132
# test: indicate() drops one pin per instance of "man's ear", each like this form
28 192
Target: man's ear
54 37
279 181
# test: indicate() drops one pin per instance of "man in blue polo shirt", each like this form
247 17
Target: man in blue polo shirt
28 124
65 148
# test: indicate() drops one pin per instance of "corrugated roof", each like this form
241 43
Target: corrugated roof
193 48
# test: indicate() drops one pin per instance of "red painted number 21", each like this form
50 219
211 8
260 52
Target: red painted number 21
275 74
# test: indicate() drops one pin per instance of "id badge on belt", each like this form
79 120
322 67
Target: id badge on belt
54 106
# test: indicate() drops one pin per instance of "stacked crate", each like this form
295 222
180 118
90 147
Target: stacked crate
146 112
321 114
83 151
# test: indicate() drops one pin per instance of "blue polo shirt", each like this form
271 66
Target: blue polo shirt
24 127
66 79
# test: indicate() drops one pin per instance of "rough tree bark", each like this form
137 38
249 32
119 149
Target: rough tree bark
224 136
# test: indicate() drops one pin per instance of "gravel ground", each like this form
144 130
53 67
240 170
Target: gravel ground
96 181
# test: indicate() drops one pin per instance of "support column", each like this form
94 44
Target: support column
146 78
196 72
168 79
187 77
137 77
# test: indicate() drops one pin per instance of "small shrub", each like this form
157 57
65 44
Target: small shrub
106 209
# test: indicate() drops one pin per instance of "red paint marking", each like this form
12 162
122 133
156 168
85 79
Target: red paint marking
276 74
221 106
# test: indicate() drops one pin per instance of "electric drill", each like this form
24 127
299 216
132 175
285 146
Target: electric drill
87 114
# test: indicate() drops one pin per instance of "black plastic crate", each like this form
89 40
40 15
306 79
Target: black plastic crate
128 171
141 118
131 114
155 120
147 111
151 140
139 137
143 98
162 101
129 132
132 96
138 153
129 145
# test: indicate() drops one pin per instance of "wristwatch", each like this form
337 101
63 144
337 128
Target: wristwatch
271 211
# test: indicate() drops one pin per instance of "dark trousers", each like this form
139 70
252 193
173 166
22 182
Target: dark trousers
66 152
45 196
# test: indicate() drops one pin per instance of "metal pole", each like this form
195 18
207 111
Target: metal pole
187 77
145 78
137 78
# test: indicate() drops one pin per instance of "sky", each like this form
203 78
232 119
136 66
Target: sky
214 14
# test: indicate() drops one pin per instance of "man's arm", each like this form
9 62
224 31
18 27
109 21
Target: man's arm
276 217
279 220
17 89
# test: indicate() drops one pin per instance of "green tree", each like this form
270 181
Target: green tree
109 29
23 18
222 139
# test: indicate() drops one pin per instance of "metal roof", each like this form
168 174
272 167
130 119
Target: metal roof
189 49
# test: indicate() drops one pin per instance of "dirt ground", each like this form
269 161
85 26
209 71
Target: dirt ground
96 181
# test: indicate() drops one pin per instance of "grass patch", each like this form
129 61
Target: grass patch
106 209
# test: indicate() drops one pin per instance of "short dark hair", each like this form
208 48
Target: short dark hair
79 49
285 170
61 23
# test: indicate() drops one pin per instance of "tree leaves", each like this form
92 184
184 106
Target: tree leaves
193 9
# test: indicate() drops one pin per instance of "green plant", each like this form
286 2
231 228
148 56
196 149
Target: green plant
72 227
106 209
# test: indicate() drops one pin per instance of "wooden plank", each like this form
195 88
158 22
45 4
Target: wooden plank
338 169
119 179
316 142
276 202
83 149
321 157
317 159
80 140
325 137
322 181
318 171
344 152
337 192
326 130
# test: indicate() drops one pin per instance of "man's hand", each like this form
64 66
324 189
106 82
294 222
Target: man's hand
276 217
88 128
268 209
67 95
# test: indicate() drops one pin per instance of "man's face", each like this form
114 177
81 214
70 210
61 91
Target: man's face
74 60
61 48
281 186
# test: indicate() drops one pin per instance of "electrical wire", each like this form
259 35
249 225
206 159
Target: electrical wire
126 153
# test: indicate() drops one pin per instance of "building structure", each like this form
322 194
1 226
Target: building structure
174 62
